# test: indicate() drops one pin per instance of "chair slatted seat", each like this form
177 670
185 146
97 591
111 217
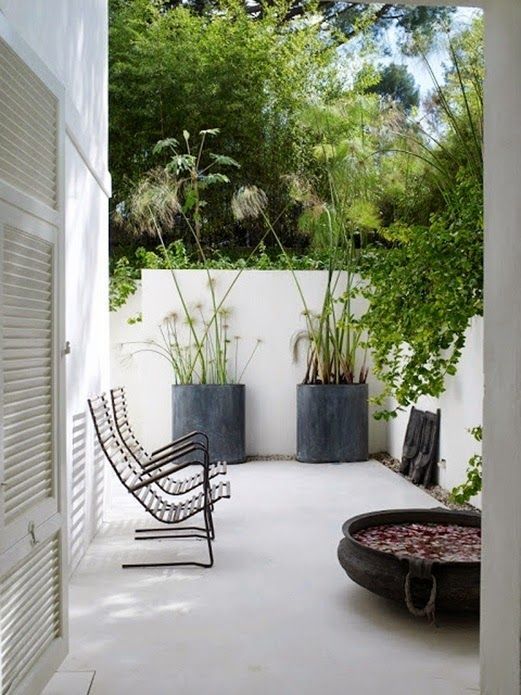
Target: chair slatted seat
127 435
144 485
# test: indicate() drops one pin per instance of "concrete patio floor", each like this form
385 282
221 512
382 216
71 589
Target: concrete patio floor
276 615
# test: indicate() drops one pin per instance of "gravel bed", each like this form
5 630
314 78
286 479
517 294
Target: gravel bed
435 491
270 457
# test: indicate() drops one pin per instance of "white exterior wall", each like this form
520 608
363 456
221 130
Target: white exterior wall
70 37
257 311
264 304
501 564
461 408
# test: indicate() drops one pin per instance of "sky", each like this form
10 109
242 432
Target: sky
351 61
464 16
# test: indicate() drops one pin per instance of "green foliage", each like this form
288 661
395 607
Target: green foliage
168 195
348 18
337 215
422 292
123 279
196 346
173 68
351 18
473 484
199 348
397 83
348 175
425 282
126 271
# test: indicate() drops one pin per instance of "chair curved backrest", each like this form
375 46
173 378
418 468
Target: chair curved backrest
135 448
126 468
145 484
123 427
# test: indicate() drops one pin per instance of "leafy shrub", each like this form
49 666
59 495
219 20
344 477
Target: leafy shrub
423 289
425 282
173 68
126 271
472 486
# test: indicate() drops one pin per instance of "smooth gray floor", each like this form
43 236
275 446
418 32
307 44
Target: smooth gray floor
276 615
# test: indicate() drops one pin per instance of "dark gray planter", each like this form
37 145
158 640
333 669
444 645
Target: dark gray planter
332 422
214 409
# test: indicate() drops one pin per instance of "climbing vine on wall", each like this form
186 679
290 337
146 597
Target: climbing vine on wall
424 288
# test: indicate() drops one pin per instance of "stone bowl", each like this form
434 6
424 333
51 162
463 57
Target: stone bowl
457 584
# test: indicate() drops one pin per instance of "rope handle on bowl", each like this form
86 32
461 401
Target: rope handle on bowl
429 609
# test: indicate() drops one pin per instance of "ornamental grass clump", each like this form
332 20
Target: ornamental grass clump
337 217
196 342
219 362
332 333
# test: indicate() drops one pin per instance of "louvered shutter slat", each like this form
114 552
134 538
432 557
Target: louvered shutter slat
13 281
21 498
17 301
32 541
28 138
39 252
12 172
26 297
27 377
34 410
32 432
40 354
25 166
30 616
21 263
35 460
33 419
31 98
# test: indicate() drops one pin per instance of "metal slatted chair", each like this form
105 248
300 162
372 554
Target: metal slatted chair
142 484
172 486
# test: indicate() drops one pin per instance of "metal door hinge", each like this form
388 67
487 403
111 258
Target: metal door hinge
32 533
67 348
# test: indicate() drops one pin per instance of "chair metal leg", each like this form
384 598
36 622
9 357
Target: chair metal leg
127 566
169 529
175 537
169 532
210 524
209 535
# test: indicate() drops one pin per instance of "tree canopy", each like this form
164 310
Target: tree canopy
349 17
397 83
174 69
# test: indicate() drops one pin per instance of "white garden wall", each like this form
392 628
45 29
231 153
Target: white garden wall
264 304
461 408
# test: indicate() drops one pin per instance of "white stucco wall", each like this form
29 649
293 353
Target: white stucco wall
461 408
265 305
501 562
70 37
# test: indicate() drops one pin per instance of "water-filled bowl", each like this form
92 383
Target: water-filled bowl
451 586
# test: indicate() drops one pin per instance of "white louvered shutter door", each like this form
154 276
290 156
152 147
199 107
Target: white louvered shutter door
32 547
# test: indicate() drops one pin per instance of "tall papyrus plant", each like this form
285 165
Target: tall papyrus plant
196 343
337 221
